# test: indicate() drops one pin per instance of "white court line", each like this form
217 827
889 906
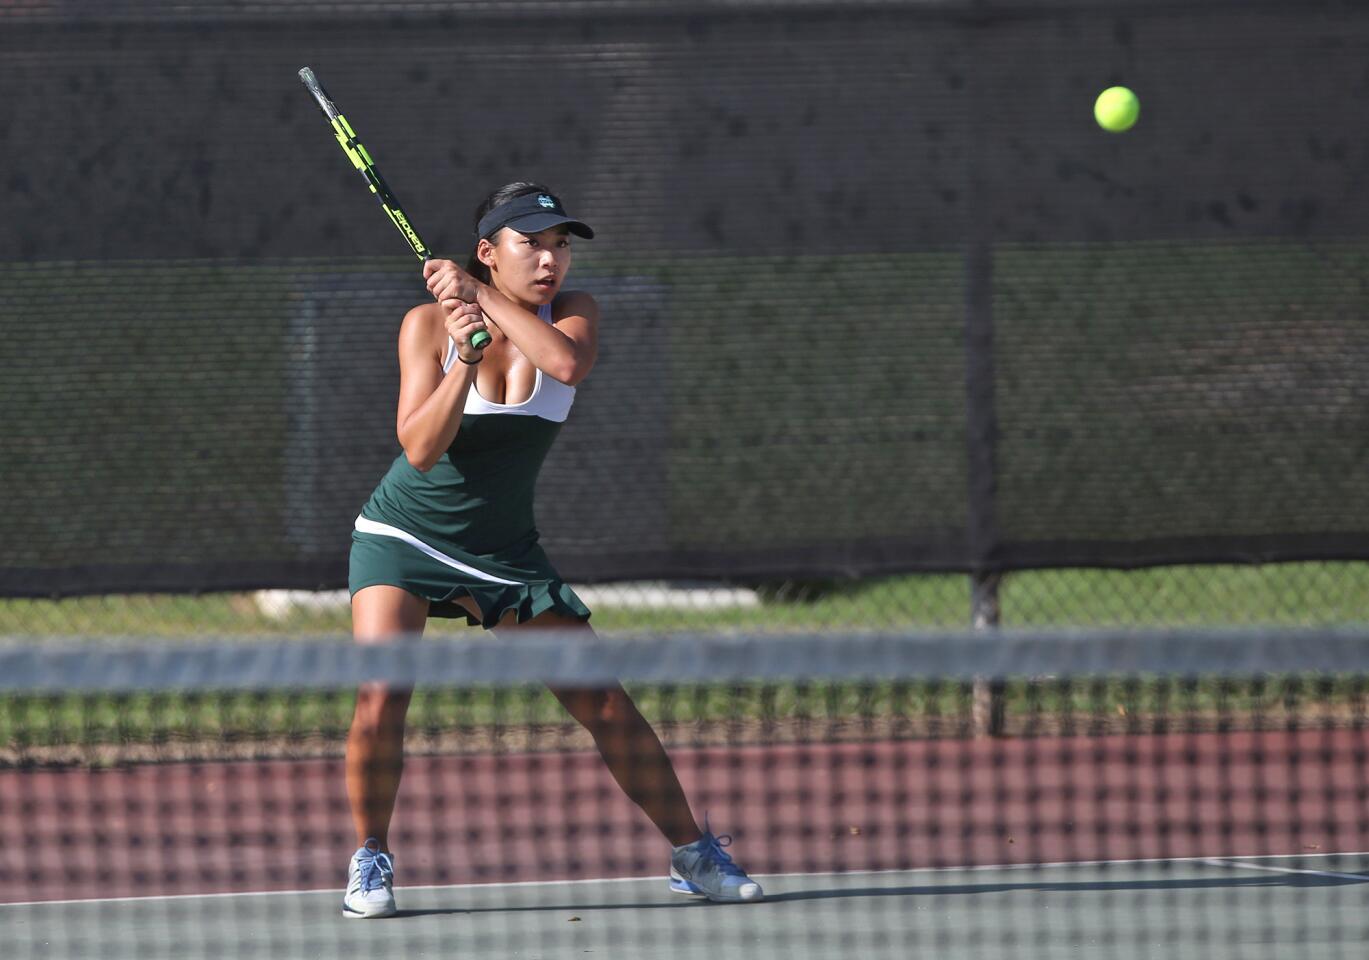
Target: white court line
1314 873
974 868
317 890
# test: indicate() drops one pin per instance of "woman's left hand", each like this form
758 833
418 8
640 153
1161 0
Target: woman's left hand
463 321
447 281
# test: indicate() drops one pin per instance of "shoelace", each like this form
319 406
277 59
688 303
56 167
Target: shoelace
373 871
715 853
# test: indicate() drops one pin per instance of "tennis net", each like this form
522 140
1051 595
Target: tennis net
1158 794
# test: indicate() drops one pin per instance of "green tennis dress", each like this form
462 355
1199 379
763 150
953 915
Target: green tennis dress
465 528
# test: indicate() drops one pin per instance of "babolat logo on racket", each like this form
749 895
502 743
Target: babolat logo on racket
402 222
546 201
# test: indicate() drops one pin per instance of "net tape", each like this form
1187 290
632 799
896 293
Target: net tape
71 664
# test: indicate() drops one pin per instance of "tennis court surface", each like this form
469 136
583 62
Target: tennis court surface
1141 795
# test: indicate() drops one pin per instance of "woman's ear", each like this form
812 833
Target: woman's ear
484 252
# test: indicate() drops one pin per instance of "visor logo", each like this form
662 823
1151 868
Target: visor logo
546 201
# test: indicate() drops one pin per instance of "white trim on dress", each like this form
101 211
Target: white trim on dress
366 525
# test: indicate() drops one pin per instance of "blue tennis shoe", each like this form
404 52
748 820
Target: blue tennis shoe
704 869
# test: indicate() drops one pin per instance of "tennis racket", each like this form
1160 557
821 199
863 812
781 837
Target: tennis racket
361 159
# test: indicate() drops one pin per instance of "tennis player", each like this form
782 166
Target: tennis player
449 531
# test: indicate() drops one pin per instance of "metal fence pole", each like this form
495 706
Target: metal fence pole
980 388
987 706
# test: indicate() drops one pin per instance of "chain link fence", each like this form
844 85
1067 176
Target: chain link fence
895 337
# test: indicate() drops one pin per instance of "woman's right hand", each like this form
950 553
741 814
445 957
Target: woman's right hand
445 280
462 321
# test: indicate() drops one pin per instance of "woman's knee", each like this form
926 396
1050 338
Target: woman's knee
380 707
601 709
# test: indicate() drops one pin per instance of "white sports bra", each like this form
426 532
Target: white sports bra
551 399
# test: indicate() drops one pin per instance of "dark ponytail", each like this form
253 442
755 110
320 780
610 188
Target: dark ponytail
503 195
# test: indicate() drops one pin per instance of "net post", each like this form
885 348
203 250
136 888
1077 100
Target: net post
987 707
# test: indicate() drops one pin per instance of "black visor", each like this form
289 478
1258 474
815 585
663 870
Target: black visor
530 213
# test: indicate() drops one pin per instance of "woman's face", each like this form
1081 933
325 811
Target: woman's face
529 267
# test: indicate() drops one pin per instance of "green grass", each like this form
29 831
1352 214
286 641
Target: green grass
1287 594
1292 594
160 615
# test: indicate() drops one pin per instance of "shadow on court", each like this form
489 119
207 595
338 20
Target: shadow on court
1106 886
1234 883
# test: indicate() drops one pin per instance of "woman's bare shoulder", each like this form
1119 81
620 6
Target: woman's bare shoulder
574 303
423 329
424 315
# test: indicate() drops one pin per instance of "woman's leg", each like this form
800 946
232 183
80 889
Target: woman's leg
375 742
627 743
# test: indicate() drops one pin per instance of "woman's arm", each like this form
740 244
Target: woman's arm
431 402
565 350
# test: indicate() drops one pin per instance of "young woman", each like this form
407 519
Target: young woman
449 531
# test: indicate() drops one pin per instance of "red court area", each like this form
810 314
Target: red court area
188 828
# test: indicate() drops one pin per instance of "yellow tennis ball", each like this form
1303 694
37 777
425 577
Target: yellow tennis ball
1116 109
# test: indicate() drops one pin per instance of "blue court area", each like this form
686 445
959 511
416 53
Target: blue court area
1248 908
